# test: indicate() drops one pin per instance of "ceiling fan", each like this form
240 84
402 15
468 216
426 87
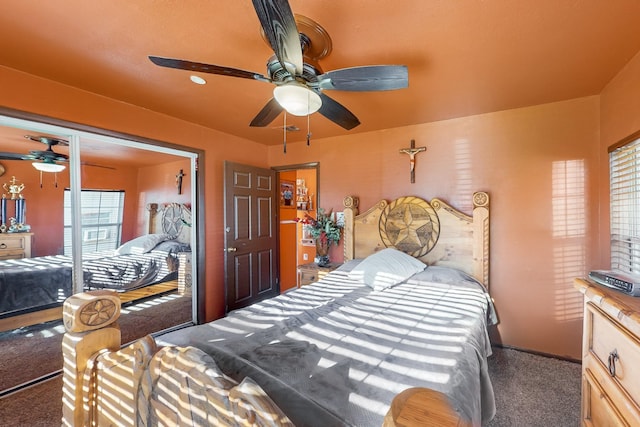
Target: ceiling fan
45 160
298 42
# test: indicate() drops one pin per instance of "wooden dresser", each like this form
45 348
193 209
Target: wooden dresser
610 357
311 272
15 245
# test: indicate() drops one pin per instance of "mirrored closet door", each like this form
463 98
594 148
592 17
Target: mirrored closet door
83 211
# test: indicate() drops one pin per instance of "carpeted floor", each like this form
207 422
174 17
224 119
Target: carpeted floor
533 390
530 391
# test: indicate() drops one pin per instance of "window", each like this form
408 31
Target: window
624 167
101 217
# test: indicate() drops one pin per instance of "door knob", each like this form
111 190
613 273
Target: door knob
231 249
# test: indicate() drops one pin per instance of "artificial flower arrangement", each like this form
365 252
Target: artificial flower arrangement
325 230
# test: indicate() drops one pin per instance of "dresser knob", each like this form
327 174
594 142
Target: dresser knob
3 246
613 356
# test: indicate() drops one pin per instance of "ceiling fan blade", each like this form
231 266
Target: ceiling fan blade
97 166
16 156
337 113
366 78
50 141
49 155
281 30
268 114
206 68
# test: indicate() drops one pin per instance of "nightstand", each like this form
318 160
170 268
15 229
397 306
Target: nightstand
312 272
185 279
15 245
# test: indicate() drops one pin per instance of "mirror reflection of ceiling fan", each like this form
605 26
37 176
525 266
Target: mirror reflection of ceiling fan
45 160
298 43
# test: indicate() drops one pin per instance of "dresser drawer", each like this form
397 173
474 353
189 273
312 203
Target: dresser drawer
13 243
17 254
602 410
311 272
308 277
613 355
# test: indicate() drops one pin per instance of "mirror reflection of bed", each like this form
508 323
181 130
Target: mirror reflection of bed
138 177
31 313
146 265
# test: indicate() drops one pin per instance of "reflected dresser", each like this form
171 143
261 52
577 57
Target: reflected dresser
15 245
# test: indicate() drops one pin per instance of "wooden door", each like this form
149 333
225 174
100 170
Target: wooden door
251 258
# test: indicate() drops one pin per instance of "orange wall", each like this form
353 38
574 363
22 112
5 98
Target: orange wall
21 91
45 212
157 184
45 215
537 164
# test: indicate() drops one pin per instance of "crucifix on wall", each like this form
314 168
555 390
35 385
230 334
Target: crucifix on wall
412 151
179 177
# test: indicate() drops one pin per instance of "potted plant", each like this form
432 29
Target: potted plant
325 230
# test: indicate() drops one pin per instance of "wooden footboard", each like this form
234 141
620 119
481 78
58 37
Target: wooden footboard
144 384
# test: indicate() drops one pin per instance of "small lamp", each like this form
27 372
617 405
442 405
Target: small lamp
297 99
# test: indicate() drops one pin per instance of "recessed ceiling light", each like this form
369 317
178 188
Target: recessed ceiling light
198 80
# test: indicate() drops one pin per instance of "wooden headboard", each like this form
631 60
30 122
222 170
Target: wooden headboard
432 231
170 218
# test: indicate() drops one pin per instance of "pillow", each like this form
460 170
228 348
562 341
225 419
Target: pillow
386 268
253 407
142 244
172 247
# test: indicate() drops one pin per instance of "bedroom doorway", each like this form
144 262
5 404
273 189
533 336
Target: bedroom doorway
294 249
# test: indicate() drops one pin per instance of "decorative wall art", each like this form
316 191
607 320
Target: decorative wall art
287 191
412 151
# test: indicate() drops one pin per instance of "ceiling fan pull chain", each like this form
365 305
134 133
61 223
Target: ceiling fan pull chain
40 179
308 130
285 131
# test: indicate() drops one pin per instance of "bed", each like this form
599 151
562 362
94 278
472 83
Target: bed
408 309
31 284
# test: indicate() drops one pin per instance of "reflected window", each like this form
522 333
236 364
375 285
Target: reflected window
101 213
624 169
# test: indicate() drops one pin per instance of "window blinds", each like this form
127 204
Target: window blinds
102 212
624 167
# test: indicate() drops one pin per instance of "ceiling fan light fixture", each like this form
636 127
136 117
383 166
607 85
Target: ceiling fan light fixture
198 80
48 167
297 99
